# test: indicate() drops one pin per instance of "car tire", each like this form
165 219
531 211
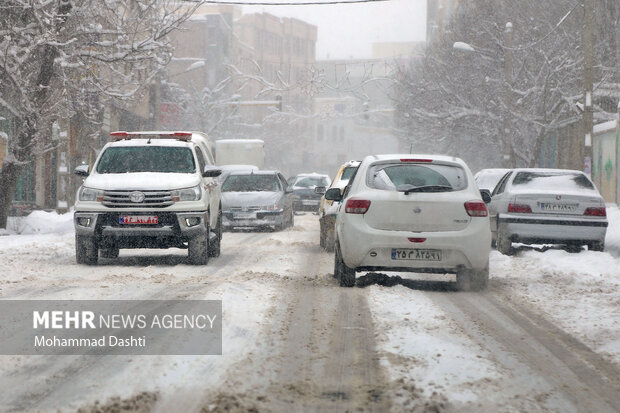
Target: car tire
198 250
344 274
216 244
109 252
472 280
596 246
329 240
503 244
291 222
86 251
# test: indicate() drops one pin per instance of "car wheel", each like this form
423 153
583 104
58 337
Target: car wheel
596 246
472 280
215 246
344 274
109 252
198 251
503 244
329 240
292 219
86 251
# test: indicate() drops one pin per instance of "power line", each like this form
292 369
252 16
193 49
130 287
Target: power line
290 3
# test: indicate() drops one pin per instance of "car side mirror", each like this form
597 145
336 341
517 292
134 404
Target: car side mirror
319 190
288 190
211 172
486 195
81 170
333 194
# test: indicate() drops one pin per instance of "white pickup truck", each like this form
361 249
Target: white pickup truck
149 190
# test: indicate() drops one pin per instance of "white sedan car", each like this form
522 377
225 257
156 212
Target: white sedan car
547 206
415 213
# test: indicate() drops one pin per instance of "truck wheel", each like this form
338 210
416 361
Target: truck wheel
86 251
215 247
198 251
596 246
344 274
109 252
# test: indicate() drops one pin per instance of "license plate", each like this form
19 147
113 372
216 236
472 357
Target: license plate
138 219
545 206
245 215
309 202
416 254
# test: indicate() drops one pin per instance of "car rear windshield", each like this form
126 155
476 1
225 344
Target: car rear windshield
251 183
310 181
551 181
118 160
416 177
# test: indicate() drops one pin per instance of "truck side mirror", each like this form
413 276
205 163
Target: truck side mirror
81 170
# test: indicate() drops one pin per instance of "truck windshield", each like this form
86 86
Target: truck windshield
118 160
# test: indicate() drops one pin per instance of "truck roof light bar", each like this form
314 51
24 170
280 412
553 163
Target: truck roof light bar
121 135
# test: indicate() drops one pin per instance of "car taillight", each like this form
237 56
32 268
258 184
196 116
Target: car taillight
519 208
476 209
596 212
356 206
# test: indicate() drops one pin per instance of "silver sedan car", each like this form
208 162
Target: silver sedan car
547 206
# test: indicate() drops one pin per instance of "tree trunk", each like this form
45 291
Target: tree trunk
8 182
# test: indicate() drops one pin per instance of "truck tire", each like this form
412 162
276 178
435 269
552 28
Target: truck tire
86 251
198 250
216 243
344 274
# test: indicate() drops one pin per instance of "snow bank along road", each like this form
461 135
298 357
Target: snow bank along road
544 337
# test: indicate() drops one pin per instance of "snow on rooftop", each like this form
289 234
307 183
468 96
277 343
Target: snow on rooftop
605 126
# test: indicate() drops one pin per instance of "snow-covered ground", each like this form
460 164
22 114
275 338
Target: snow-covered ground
429 344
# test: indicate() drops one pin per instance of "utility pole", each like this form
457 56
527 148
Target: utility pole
588 87
508 153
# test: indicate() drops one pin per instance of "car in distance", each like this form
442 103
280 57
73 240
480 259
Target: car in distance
328 209
488 178
149 190
547 206
415 213
256 199
305 198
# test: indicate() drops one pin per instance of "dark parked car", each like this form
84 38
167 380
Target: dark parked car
256 199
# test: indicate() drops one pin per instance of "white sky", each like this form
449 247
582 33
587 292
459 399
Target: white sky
348 30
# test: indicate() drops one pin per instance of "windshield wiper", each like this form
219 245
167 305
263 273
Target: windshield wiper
407 189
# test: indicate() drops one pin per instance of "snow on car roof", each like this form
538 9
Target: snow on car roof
143 142
253 172
389 157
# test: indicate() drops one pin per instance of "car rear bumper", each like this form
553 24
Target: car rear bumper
366 248
263 219
540 229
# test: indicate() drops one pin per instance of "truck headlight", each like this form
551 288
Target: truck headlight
89 194
187 194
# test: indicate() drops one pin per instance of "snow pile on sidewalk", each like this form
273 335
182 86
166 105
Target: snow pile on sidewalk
40 222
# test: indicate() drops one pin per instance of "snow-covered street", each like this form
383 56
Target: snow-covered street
543 337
